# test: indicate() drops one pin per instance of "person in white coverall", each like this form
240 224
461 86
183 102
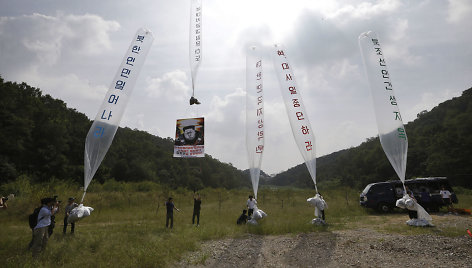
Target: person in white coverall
251 204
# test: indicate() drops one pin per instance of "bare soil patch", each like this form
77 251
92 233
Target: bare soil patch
360 247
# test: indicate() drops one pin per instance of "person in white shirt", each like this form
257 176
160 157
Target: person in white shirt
446 197
3 202
251 204
40 231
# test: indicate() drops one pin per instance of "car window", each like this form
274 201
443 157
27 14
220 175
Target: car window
366 189
381 189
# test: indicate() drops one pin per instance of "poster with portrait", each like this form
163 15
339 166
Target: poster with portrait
189 138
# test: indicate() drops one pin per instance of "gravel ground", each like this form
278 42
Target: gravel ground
362 247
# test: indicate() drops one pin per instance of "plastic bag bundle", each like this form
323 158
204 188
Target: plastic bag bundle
419 222
318 221
312 201
410 204
78 213
424 219
258 214
319 203
401 203
406 202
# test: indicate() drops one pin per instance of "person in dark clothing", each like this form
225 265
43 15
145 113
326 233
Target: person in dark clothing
197 202
243 218
53 217
425 199
70 206
170 212
412 214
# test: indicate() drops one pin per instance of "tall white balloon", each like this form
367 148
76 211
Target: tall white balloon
254 115
105 125
297 115
195 37
389 121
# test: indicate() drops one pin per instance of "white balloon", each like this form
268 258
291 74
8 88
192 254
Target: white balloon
389 121
297 115
254 115
105 125
195 39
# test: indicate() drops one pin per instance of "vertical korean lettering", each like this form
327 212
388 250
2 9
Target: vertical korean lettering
389 120
298 117
107 120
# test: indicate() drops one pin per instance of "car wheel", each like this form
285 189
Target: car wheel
384 207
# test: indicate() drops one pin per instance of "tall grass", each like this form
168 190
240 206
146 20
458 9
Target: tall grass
127 227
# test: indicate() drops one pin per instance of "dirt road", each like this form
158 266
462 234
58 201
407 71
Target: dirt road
361 247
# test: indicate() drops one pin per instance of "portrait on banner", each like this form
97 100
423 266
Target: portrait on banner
189 138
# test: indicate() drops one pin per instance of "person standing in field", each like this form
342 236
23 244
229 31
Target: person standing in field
53 217
40 231
170 212
70 205
197 202
446 197
251 204
322 206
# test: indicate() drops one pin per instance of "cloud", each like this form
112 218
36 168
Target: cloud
74 57
225 128
365 10
46 51
430 100
78 93
228 108
459 10
171 86
41 39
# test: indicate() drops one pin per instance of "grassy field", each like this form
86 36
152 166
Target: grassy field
127 228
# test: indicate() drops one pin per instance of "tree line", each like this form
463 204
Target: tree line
439 145
43 139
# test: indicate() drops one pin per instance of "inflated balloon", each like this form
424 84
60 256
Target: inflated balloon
254 115
389 121
297 115
195 37
103 129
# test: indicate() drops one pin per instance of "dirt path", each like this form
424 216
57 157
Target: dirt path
362 247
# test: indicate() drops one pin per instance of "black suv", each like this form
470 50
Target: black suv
383 195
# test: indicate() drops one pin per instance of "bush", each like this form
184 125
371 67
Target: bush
145 186
21 186
115 186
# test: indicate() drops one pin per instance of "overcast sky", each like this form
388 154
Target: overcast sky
72 50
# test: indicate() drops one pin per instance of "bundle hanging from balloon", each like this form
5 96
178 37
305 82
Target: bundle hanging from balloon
79 213
320 205
257 215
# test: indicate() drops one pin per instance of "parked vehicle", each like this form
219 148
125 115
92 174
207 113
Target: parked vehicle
383 195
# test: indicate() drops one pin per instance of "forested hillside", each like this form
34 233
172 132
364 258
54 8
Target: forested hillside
43 139
439 144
